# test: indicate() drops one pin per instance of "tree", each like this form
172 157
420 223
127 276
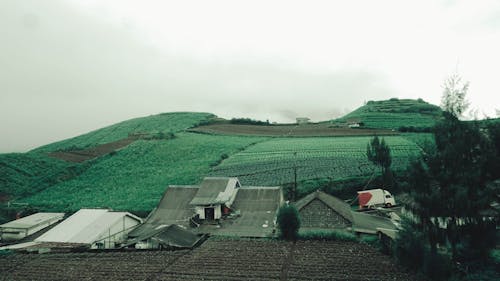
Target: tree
288 222
379 153
453 100
449 185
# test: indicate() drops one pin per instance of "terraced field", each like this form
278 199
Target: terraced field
273 162
213 260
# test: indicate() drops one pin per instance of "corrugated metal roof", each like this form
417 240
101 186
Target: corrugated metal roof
257 207
339 206
176 236
33 220
85 226
173 208
210 191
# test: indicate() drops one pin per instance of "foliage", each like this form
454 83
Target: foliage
272 162
394 114
22 174
136 176
248 121
165 122
449 187
409 247
379 153
288 220
454 91
333 235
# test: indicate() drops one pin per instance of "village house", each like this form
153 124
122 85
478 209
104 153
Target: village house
215 197
94 228
219 205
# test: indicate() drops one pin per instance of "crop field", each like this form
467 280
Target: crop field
213 260
165 122
26 173
396 113
273 162
135 177
308 130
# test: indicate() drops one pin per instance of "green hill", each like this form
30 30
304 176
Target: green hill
133 177
395 114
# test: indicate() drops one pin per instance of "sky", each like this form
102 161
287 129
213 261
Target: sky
70 67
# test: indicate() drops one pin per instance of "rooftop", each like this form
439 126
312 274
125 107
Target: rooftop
33 220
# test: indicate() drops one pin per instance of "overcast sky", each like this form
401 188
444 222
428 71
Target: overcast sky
69 67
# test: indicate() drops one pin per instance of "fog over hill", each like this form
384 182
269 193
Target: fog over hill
69 67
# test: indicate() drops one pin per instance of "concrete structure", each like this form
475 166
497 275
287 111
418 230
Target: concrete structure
95 228
23 227
214 197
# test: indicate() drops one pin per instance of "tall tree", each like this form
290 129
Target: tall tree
454 91
379 153
450 190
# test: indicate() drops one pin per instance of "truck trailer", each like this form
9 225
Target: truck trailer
375 198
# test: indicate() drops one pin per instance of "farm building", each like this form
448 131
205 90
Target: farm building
215 196
302 120
23 227
321 210
94 228
237 210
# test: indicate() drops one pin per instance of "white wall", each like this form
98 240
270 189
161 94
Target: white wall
117 233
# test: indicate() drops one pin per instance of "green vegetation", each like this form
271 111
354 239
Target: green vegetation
334 235
405 114
288 221
161 124
135 177
273 162
23 174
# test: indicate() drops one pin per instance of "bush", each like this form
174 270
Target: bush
334 235
437 266
288 222
248 121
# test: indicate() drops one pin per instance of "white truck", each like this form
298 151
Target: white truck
375 198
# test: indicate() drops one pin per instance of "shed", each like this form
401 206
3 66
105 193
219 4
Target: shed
302 120
23 227
214 197
96 228
323 211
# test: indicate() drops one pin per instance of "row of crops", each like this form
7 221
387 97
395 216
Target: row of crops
213 260
134 178
275 161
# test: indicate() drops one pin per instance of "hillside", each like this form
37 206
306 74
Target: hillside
395 114
127 166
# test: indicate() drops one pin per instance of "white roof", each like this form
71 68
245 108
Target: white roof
33 220
85 226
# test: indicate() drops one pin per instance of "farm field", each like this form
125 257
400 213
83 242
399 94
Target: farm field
135 177
272 162
310 130
395 113
213 260
165 122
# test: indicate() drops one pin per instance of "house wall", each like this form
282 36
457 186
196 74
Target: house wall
317 214
200 210
229 193
116 234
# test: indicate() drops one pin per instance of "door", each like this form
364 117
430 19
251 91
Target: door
209 213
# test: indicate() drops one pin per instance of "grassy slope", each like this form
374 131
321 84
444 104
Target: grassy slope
165 122
23 174
135 177
395 113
